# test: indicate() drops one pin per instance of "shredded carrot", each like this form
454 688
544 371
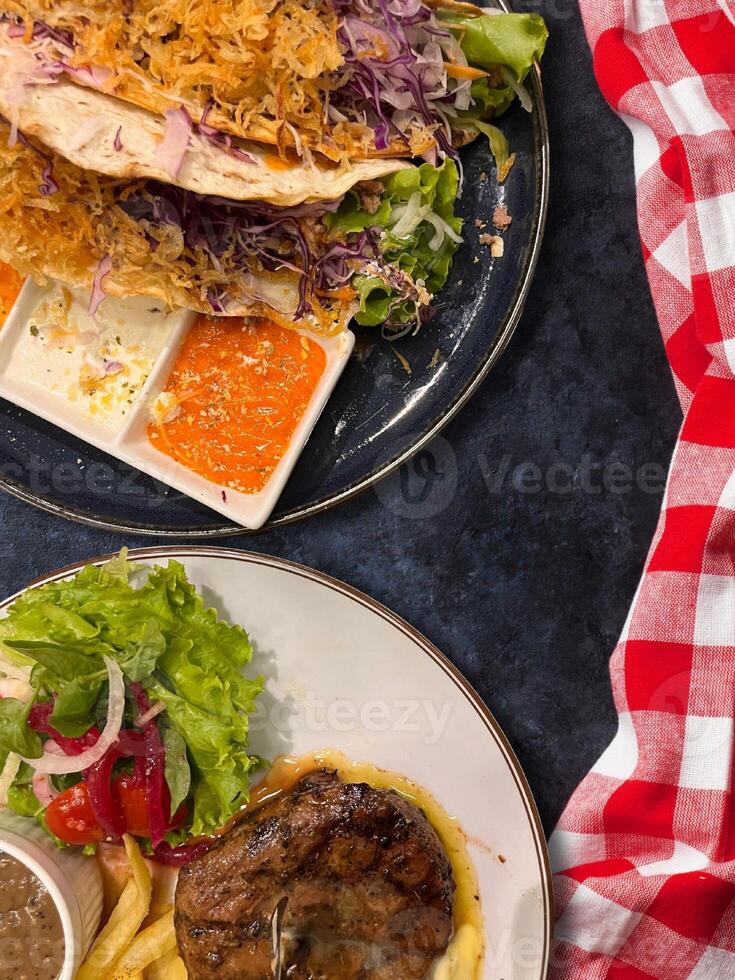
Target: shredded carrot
261 62
465 72
342 293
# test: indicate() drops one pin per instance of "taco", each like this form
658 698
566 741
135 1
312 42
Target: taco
380 252
105 134
345 78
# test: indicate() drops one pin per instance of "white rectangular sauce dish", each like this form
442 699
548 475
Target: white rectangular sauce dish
51 351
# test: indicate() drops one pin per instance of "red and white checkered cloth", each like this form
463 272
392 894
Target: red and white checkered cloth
645 852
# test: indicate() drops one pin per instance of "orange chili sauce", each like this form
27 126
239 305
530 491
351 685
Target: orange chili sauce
242 389
10 285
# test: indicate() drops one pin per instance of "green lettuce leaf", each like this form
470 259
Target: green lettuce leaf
74 708
15 735
23 801
138 660
490 101
177 768
221 764
512 41
21 798
498 44
433 187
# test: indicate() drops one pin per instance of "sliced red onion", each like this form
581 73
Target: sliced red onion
155 786
158 799
99 782
50 763
131 744
39 720
114 367
172 148
118 140
98 291
178 856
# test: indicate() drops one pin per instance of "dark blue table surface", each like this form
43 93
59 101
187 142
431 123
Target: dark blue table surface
516 542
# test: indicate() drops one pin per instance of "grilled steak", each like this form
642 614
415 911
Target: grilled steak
369 888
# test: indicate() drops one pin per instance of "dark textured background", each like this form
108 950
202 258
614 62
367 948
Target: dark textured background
515 544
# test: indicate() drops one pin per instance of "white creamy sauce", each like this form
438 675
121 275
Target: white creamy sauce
98 365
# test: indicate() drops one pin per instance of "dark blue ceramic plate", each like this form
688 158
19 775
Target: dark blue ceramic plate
379 415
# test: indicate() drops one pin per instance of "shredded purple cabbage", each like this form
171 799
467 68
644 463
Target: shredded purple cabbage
48 185
394 77
39 32
98 286
42 31
219 138
243 232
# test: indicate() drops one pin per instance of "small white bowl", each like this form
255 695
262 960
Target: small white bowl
73 881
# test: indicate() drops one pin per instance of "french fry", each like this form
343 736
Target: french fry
124 922
169 967
147 947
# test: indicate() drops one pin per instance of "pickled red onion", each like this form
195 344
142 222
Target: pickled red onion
51 763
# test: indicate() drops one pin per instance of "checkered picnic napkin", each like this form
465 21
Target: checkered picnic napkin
645 852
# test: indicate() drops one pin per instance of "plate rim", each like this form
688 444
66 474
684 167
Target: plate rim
394 619
491 357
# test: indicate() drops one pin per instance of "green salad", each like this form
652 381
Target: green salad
125 709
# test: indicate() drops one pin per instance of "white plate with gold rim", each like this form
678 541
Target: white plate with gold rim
345 673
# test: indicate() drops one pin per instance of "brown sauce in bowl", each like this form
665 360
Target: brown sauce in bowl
31 934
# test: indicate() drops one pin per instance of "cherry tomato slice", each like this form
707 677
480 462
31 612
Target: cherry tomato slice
129 794
71 818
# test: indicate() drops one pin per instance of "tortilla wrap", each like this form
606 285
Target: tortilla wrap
98 132
69 234
268 63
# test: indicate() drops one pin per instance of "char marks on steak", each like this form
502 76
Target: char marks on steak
369 887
